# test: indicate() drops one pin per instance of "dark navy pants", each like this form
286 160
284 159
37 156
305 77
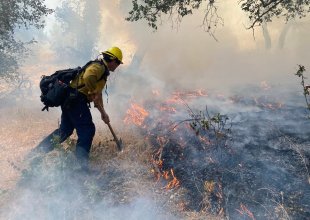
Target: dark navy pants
77 117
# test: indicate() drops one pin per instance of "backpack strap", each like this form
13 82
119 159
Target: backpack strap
104 75
106 72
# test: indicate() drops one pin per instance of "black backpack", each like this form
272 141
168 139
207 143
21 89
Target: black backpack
55 88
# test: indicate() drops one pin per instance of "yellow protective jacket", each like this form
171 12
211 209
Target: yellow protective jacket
91 78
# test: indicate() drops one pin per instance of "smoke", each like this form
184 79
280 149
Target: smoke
80 23
161 62
188 58
263 166
266 36
283 34
174 59
53 187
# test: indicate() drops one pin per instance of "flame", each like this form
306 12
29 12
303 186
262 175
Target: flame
159 163
136 115
174 183
175 99
165 175
178 97
165 108
245 211
268 105
157 166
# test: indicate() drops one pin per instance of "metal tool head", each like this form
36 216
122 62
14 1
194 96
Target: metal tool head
119 144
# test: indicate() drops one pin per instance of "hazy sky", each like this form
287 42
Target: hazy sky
185 56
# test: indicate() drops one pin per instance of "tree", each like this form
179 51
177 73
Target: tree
258 11
14 15
80 20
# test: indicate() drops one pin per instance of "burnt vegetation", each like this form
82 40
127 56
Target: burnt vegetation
253 167
246 164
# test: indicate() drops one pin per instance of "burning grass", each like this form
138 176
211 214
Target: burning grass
232 174
255 168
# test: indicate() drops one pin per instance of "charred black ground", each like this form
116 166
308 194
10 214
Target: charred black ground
261 170
256 167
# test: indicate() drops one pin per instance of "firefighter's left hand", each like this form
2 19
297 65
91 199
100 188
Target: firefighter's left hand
105 117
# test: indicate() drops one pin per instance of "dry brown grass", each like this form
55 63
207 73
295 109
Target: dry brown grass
20 131
129 172
135 164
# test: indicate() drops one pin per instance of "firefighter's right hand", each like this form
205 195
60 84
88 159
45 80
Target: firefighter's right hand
105 117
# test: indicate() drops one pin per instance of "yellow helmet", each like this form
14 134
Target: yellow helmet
115 52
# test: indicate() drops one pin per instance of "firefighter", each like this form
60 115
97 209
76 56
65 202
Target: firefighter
76 113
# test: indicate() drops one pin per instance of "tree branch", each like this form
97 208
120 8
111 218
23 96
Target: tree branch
260 16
